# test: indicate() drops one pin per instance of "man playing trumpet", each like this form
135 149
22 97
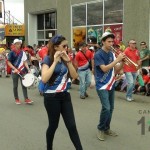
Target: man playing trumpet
105 66
131 70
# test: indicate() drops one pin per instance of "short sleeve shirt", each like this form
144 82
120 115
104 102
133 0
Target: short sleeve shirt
104 80
17 60
81 60
144 53
61 82
134 56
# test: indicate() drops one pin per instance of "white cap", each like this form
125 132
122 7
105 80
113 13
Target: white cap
105 34
92 48
17 41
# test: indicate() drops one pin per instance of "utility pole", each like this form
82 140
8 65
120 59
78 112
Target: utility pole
9 16
4 9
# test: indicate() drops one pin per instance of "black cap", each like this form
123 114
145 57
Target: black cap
82 44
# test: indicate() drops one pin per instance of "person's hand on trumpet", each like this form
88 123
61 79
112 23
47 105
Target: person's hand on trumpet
120 57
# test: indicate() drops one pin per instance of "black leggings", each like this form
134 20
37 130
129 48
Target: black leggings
56 104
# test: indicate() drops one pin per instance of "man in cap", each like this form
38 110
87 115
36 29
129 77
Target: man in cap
144 55
105 66
131 70
17 60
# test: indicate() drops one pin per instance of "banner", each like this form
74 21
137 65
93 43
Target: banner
14 30
79 35
117 30
94 34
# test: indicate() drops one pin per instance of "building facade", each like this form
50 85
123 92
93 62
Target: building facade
83 20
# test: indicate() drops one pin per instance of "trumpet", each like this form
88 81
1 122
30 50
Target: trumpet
126 60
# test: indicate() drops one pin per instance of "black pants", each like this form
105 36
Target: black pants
56 104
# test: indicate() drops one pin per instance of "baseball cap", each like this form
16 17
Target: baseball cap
143 43
92 48
107 34
82 44
17 41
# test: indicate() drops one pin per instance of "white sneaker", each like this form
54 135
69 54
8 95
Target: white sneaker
101 135
129 99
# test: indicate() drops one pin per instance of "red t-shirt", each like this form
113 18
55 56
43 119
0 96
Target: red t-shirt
134 56
43 52
148 80
145 78
80 58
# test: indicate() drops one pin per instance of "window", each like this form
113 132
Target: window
95 13
40 34
49 33
113 11
46 27
50 20
40 43
95 18
79 15
40 22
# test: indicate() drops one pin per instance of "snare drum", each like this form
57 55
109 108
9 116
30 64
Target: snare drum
30 81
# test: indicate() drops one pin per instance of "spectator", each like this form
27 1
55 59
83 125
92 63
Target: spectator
130 70
144 55
83 58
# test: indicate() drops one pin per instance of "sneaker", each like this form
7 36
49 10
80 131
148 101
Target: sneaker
111 133
17 101
129 99
28 101
7 76
147 94
101 135
86 95
82 97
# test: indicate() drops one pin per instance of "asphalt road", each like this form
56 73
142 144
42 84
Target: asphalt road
23 127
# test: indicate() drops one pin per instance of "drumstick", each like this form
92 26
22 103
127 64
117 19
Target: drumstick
21 76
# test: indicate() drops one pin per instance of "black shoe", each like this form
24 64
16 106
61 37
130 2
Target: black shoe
86 95
147 94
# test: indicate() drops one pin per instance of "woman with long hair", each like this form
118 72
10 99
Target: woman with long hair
56 72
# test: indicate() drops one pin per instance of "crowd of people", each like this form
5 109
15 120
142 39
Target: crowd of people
135 79
114 67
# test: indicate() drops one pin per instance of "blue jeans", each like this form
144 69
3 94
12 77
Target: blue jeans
85 80
107 101
131 79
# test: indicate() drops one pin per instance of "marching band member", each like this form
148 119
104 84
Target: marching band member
105 67
17 60
57 68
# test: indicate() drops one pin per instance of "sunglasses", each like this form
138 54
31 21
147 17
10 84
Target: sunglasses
132 43
65 46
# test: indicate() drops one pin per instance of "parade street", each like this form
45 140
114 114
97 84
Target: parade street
23 127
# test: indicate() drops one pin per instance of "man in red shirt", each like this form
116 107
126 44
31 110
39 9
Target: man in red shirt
43 52
130 70
83 58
